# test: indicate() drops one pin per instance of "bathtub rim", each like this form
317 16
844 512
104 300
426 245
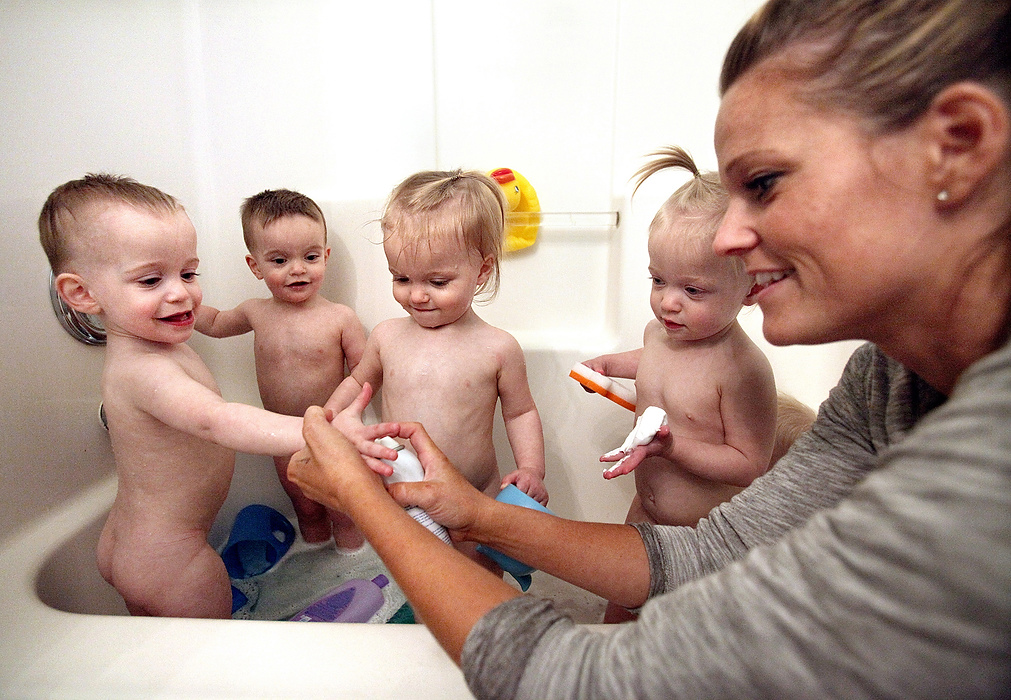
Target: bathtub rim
49 653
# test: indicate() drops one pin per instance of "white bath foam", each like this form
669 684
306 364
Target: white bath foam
305 574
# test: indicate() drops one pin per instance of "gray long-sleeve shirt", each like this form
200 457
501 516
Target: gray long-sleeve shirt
874 560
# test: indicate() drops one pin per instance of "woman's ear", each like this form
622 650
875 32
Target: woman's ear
967 125
75 293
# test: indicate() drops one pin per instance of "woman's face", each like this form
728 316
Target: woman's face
824 214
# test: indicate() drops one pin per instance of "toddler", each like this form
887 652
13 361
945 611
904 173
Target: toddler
127 253
696 363
302 341
442 365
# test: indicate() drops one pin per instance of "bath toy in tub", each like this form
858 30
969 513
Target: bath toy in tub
523 209
406 467
259 538
520 571
356 600
646 427
607 387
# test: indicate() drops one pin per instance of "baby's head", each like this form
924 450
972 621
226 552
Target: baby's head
69 228
695 291
124 251
285 233
462 209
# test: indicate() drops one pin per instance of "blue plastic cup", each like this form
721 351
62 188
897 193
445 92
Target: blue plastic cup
519 571
259 538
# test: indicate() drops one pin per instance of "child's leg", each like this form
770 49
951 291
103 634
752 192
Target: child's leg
615 613
345 533
313 519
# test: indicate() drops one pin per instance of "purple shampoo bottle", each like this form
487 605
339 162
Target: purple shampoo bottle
356 600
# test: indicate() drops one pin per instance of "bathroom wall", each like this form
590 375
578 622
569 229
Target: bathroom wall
215 100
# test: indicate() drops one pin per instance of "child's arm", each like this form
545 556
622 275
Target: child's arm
223 324
623 365
368 370
162 388
522 424
352 338
748 412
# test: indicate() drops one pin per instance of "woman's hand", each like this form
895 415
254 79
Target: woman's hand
445 494
329 469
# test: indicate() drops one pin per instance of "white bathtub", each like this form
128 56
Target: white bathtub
64 632
580 292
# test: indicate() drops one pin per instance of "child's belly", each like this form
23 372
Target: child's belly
672 496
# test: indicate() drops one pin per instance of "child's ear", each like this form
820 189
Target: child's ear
251 261
326 255
75 293
487 265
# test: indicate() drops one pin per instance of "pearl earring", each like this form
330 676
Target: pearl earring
942 196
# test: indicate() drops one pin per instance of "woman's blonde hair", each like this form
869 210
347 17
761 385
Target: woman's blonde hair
465 205
695 209
884 60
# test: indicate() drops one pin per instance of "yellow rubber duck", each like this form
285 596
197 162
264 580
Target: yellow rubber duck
521 199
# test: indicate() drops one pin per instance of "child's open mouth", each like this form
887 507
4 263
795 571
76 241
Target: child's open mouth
184 318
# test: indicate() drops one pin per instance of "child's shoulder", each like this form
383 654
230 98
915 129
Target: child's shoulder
393 328
141 364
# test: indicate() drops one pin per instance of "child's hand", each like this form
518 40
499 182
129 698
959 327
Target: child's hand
529 483
628 461
363 437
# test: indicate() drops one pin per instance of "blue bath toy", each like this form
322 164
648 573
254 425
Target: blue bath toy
519 571
259 538
238 599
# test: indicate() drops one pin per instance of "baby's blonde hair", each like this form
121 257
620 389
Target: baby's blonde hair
63 209
271 205
695 210
465 205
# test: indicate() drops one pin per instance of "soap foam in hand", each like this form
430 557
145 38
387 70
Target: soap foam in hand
646 427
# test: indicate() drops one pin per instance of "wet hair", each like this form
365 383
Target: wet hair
270 205
695 210
466 205
59 221
883 60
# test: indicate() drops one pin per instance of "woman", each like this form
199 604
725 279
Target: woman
867 149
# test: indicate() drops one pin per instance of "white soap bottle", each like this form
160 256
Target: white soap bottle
406 467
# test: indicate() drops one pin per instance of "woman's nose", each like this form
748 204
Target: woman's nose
736 234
